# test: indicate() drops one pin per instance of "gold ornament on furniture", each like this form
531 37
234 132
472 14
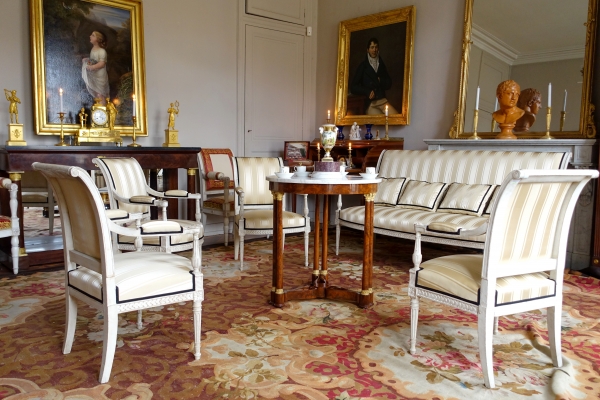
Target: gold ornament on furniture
171 134
15 129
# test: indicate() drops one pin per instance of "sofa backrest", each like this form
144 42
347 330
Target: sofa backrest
464 166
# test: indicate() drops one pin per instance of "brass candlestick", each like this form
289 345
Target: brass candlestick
493 125
350 163
548 118
563 115
386 137
475 120
134 144
61 116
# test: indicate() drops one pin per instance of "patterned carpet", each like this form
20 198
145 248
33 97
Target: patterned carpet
315 349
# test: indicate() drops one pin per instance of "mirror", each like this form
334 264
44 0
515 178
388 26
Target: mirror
533 43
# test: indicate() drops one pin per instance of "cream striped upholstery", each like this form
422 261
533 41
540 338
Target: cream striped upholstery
173 240
422 195
463 166
251 175
462 198
139 276
389 191
460 276
263 219
126 177
395 219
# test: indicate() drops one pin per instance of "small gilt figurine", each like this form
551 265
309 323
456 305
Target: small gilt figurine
11 96
173 110
82 117
111 110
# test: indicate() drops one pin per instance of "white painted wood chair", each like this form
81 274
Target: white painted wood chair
216 173
128 191
254 204
9 225
37 192
522 265
112 282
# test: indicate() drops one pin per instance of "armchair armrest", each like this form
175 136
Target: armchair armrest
240 192
450 230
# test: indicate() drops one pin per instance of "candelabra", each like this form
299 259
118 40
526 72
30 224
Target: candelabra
563 115
134 144
387 136
350 163
548 118
475 120
61 116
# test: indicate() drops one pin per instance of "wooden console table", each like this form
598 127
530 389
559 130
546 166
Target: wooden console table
365 153
319 287
14 160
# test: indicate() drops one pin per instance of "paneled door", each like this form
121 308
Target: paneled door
274 90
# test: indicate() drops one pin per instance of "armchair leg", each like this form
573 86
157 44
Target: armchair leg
485 326
496 326
14 252
337 239
241 245
554 328
70 323
306 236
197 327
414 321
226 229
111 324
236 242
140 326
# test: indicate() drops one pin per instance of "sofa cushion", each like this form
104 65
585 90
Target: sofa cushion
396 219
459 276
389 190
422 195
462 198
488 208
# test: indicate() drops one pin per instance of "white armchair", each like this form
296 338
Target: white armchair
9 225
522 264
121 282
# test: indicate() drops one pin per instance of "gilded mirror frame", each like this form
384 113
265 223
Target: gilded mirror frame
49 76
388 25
587 129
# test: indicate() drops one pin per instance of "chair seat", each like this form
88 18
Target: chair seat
139 276
263 219
175 239
460 276
33 197
5 222
216 203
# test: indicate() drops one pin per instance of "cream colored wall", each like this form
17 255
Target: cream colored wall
191 56
436 63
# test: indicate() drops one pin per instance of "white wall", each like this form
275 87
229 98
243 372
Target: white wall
436 65
190 52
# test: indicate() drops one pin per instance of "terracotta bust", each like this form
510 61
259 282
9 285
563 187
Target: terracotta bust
508 94
530 101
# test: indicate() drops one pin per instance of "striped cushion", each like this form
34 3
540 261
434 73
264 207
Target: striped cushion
263 219
488 208
398 219
462 198
5 222
251 174
116 214
460 276
142 199
138 276
176 193
154 227
422 195
388 191
174 239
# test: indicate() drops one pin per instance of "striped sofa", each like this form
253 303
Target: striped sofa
449 190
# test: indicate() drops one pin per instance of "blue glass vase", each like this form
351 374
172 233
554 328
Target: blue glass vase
369 135
340 135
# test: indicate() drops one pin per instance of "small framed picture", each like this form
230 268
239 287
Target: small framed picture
296 151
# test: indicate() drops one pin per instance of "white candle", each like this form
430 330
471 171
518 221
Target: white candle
565 101
477 99
386 110
550 95
496 105
61 102
328 114
133 112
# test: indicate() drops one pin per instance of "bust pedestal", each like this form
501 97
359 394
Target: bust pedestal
171 138
15 135
506 131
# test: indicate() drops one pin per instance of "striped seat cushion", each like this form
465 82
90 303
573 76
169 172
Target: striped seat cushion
462 198
263 219
403 220
460 276
389 190
422 195
139 276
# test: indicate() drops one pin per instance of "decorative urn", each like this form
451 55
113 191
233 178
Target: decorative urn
328 136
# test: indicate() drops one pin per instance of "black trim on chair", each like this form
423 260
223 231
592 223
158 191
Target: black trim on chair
525 300
444 232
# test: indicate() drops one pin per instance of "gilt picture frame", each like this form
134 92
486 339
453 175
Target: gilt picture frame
394 34
65 56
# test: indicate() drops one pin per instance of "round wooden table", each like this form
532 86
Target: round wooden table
319 287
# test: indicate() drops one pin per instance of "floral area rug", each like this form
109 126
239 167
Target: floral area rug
35 224
313 349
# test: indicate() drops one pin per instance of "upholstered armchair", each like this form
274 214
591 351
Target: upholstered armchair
128 191
37 192
254 204
9 225
216 173
121 282
522 264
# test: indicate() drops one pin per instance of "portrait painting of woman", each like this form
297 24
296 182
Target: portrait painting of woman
93 70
